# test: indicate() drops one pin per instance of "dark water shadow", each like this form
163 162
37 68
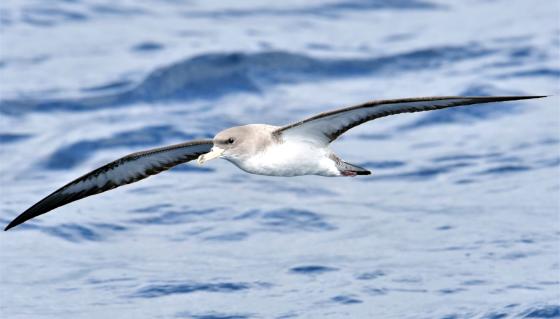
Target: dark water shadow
6 138
79 233
469 113
74 154
326 10
211 76
312 270
213 315
147 47
346 300
547 311
553 74
161 290
50 16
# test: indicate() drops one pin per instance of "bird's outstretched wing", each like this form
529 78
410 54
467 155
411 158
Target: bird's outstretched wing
125 170
326 127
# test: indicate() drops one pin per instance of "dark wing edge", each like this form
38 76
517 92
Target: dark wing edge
415 105
125 170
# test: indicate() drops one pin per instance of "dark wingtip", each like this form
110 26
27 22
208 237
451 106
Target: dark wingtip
11 225
363 172
511 98
532 97
18 220
45 205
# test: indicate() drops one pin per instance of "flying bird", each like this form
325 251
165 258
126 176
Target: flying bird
301 148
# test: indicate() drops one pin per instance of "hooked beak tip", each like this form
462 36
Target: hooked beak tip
200 160
214 153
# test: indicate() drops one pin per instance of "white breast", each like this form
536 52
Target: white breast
291 159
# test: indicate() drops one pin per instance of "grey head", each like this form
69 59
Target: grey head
240 142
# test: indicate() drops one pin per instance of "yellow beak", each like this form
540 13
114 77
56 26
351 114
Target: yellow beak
214 153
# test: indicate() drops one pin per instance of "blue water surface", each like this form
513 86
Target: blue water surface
460 218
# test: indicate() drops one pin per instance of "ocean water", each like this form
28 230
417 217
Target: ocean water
460 219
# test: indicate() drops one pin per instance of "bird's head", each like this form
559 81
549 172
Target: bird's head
229 144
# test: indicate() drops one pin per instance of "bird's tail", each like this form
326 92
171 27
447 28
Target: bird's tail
347 169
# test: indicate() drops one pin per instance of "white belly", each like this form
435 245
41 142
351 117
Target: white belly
290 159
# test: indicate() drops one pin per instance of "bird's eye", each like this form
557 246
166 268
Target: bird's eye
230 140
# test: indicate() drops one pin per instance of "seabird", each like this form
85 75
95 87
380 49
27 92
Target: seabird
301 148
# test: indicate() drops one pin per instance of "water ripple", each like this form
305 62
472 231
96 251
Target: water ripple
73 233
505 169
290 220
172 217
312 270
74 154
346 300
147 46
6 138
161 290
467 114
325 10
211 76
549 311
212 315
